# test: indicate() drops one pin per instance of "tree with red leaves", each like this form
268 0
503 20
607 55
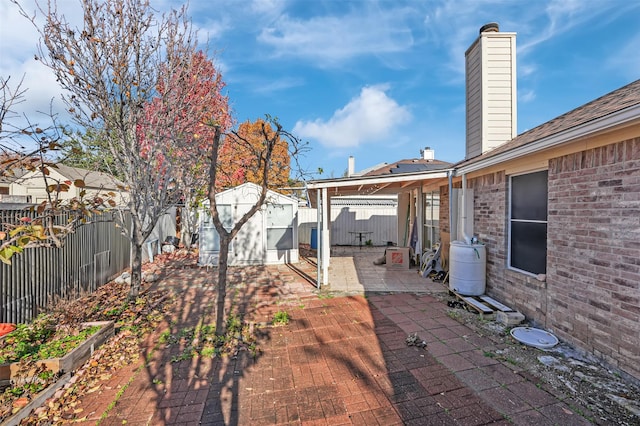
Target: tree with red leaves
195 92
139 80
128 74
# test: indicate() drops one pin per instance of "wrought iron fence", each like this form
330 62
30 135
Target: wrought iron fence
91 256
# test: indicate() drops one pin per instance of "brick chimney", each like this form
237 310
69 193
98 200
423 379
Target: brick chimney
491 98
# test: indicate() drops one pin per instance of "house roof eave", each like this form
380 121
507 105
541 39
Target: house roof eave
620 118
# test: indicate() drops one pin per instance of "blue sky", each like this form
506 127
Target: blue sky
380 80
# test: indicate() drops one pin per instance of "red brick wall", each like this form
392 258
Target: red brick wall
490 223
593 263
591 296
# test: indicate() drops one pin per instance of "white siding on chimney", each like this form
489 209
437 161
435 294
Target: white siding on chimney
474 100
491 92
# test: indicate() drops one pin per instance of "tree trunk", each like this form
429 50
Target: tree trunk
188 218
222 284
136 271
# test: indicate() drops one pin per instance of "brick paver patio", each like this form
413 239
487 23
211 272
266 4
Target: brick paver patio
340 361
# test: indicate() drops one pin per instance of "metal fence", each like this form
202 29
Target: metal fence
377 216
91 256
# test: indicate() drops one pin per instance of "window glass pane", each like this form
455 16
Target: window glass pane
224 211
436 235
209 240
529 246
431 219
279 215
432 208
529 196
226 217
280 239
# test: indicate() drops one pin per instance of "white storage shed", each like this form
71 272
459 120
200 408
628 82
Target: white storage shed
269 237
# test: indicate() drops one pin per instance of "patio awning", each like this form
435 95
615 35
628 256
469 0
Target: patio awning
320 192
390 184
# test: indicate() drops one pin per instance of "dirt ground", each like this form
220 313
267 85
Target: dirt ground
611 398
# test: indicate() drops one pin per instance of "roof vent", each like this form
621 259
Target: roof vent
491 27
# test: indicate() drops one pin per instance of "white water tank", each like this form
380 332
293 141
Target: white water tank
467 268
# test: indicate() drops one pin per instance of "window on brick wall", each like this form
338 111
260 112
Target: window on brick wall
528 223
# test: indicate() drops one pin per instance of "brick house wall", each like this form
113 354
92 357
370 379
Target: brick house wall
490 223
593 260
591 295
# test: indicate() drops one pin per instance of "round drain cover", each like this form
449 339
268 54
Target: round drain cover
534 337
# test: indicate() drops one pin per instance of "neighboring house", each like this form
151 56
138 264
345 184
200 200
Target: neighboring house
270 236
5 185
6 196
32 185
557 207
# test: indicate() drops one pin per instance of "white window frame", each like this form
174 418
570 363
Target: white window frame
431 226
285 227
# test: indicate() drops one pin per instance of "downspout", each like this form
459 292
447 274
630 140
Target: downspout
463 207
450 176
319 239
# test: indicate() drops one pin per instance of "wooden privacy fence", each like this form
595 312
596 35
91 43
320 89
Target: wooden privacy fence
91 256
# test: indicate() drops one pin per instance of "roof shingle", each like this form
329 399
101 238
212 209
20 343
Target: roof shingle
615 101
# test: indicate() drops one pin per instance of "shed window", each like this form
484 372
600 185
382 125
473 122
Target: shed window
210 240
528 223
225 215
279 215
279 227
280 239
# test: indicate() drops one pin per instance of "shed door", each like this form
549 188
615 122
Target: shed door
209 238
248 245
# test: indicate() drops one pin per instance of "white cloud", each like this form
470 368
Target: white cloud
526 96
19 39
332 39
278 85
454 24
369 117
268 7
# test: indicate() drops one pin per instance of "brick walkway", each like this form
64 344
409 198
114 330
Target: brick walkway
340 361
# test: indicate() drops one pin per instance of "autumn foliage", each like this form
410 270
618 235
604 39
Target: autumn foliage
178 125
241 152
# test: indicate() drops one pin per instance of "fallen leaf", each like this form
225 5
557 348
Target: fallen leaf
92 390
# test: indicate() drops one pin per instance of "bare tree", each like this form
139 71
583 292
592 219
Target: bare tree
28 147
110 68
262 153
12 153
